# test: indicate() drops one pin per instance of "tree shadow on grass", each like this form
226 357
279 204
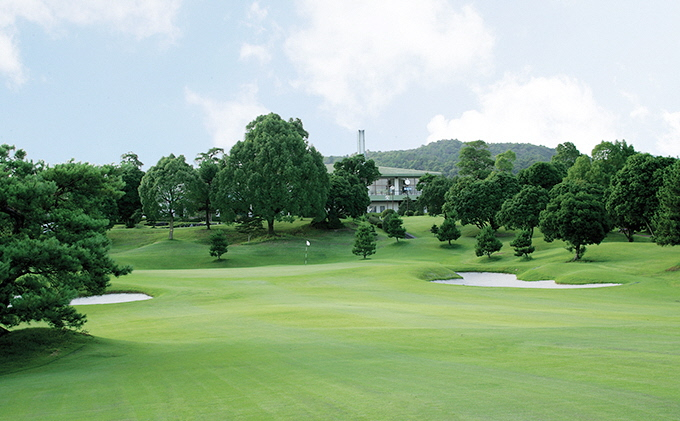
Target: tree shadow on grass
452 246
34 347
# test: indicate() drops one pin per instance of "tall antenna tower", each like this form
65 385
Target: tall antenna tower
361 143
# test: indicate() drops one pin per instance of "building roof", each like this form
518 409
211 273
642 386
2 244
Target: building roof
395 172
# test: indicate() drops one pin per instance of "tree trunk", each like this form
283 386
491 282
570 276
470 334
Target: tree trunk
207 218
270 226
172 228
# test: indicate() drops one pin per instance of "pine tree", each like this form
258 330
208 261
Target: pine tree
393 226
448 231
487 243
365 243
522 244
218 245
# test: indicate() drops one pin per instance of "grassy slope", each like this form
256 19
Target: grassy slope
343 338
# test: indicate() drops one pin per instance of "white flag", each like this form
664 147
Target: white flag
308 243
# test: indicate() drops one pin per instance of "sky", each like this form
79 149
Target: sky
91 80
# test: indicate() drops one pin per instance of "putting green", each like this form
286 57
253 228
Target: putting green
374 340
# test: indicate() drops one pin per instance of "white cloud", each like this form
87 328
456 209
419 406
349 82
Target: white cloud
257 52
226 121
140 18
359 55
545 111
669 144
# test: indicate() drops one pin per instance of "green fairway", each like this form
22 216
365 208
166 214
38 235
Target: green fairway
260 335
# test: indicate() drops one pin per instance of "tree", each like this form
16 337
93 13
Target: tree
475 160
165 190
365 242
248 225
565 157
505 161
357 165
523 209
477 202
608 159
130 205
487 243
522 244
433 190
218 244
448 231
576 215
632 197
274 173
541 174
393 226
53 244
668 214
209 164
347 197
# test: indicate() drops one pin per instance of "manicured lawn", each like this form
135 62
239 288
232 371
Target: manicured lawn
262 336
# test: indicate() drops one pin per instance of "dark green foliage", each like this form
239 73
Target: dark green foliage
218 244
347 197
205 187
475 160
541 174
130 205
357 165
433 190
248 225
408 207
487 243
274 173
522 244
523 209
477 202
166 190
632 197
434 229
505 161
565 157
393 226
365 242
53 244
576 215
607 159
448 231
668 214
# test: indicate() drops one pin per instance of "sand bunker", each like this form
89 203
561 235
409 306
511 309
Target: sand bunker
489 279
109 299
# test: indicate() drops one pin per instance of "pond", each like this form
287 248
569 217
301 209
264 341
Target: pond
490 279
109 299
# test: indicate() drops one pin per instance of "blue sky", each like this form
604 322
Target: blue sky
93 79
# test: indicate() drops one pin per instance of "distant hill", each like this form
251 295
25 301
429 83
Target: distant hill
443 155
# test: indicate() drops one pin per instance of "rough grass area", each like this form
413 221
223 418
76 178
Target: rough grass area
263 336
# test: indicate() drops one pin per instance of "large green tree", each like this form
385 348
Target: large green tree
607 159
668 214
365 170
477 202
522 210
475 160
487 243
347 197
632 196
565 157
166 192
541 174
53 244
576 215
208 165
274 173
129 205
433 190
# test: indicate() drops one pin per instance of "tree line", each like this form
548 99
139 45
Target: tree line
575 197
53 219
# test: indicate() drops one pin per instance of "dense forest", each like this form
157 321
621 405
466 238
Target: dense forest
443 156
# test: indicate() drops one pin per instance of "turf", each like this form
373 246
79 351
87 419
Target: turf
263 336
